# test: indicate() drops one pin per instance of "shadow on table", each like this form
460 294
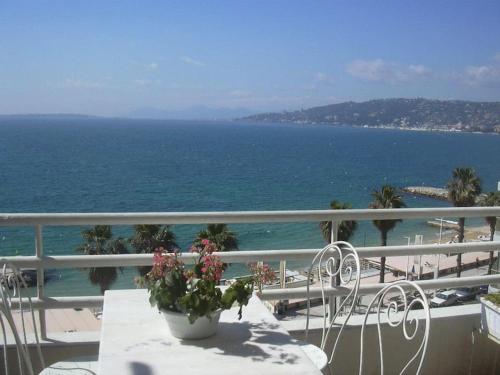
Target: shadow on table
258 341
140 368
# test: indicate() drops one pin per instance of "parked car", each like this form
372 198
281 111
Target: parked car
409 298
446 298
467 293
483 289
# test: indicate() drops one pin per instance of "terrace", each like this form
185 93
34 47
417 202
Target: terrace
456 343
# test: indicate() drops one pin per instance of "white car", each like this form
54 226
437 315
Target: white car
446 298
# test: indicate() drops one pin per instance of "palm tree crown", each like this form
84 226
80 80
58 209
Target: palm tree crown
148 238
491 199
464 187
387 197
220 235
346 228
98 241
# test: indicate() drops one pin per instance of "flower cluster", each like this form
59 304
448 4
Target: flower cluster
212 268
194 291
206 247
164 264
262 274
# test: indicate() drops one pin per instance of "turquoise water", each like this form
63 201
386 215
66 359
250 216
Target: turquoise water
115 165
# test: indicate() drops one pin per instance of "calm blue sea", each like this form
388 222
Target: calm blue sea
116 165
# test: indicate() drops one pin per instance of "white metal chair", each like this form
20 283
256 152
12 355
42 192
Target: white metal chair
410 324
338 260
11 286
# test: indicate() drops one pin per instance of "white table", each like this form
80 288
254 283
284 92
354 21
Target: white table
135 339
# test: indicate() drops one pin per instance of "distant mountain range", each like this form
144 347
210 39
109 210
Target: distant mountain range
47 116
151 113
418 114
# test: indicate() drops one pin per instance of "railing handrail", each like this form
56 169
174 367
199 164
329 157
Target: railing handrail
278 294
364 289
129 260
233 217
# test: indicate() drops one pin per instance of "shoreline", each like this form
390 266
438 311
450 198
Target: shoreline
380 127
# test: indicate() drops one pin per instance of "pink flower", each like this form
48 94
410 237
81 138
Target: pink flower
262 273
164 263
205 247
212 268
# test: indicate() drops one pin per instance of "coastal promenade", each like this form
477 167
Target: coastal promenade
65 320
446 262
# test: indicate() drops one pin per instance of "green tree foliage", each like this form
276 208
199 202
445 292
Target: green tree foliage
346 228
463 190
148 238
220 235
386 197
99 241
491 199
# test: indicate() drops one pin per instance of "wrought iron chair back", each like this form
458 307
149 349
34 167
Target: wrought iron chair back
410 325
338 259
11 286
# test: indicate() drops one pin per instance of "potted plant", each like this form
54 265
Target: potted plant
490 314
190 298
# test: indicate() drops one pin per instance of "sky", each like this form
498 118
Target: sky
112 57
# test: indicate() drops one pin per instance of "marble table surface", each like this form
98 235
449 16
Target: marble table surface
135 339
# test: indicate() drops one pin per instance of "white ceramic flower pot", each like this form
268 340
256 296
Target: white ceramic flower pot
202 327
490 318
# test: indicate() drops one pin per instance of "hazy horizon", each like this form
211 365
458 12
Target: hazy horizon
191 113
112 59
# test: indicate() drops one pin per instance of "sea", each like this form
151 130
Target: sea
66 164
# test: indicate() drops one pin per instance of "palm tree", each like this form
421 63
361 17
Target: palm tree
220 235
490 200
98 241
387 197
148 238
346 228
463 189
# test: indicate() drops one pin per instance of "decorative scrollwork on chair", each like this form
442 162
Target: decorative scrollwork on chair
12 284
410 324
338 260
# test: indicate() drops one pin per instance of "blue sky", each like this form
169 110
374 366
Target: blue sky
111 57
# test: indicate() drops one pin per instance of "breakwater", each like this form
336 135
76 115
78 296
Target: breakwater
427 191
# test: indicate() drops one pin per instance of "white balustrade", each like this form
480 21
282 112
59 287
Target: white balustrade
40 262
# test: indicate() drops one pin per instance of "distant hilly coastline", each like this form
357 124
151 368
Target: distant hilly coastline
149 113
410 114
48 116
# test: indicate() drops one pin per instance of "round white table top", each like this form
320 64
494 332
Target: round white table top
315 354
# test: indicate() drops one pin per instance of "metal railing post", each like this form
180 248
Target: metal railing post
40 279
332 301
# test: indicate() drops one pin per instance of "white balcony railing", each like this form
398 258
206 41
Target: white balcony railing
41 262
